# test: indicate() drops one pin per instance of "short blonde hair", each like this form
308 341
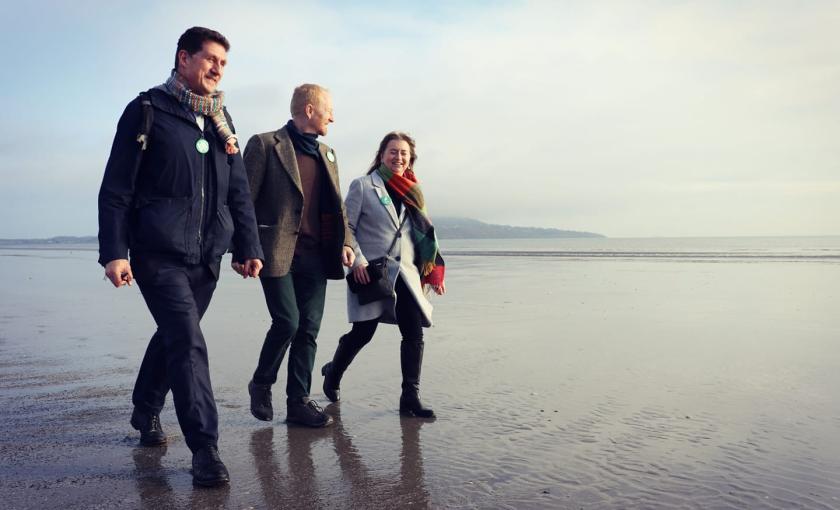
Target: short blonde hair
308 93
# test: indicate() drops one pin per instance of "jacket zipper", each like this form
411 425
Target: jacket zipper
201 204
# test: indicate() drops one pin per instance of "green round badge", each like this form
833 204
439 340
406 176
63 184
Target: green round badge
386 200
202 146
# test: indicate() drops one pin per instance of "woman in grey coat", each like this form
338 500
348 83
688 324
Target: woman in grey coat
387 214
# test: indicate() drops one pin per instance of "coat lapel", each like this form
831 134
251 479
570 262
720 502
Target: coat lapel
286 153
328 157
382 193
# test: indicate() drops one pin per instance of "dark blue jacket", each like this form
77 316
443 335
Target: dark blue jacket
182 204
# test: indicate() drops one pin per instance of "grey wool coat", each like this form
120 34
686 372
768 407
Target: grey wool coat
374 222
274 178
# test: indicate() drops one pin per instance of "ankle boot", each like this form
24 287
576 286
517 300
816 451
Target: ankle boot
410 405
151 433
411 360
334 370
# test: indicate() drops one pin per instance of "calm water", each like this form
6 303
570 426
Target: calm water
588 373
819 249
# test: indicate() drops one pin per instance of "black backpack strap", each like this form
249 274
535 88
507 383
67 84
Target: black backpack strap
148 120
143 134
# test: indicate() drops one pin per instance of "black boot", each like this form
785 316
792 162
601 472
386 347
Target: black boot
261 401
331 381
151 433
334 370
411 360
208 469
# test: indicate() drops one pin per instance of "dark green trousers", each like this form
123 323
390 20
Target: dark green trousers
296 304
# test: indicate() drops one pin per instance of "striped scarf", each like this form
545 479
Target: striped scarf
205 105
426 246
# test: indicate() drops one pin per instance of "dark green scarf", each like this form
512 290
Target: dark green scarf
426 247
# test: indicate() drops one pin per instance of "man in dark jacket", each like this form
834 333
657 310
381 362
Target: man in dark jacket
175 199
303 229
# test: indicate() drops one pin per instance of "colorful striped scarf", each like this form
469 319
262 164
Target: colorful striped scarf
205 105
426 247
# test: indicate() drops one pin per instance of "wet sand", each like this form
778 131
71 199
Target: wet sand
559 383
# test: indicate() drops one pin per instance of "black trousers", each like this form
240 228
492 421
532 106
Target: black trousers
295 302
177 296
409 320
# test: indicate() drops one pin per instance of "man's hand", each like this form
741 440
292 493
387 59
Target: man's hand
360 274
348 256
251 268
239 268
119 272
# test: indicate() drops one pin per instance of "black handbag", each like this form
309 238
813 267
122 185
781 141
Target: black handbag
380 286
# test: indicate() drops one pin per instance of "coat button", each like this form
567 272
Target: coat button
399 234
397 258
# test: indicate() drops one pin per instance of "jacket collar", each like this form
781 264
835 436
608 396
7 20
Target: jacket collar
164 101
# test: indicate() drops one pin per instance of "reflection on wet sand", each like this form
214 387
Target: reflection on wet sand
152 483
155 491
412 491
294 484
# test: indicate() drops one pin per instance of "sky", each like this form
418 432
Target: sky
627 118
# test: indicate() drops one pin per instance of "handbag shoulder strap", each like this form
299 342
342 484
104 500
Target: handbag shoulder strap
399 228
396 236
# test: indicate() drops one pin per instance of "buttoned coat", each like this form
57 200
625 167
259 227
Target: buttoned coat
374 221
274 178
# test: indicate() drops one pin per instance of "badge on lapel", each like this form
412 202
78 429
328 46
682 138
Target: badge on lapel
385 200
331 156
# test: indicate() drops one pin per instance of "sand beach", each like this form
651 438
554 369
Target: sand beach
588 374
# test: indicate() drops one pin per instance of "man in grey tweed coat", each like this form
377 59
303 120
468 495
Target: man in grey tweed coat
304 235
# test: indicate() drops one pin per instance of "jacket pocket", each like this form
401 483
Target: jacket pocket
222 232
161 225
277 243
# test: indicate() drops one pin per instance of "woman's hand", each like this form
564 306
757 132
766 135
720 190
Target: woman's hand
360 274
439 289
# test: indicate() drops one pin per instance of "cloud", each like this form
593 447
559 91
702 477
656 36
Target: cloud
610 116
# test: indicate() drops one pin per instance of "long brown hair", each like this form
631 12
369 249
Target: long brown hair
394 135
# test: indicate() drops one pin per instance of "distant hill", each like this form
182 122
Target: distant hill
51 241
446 228
465 228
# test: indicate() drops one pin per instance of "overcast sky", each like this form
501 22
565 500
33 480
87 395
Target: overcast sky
630 119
